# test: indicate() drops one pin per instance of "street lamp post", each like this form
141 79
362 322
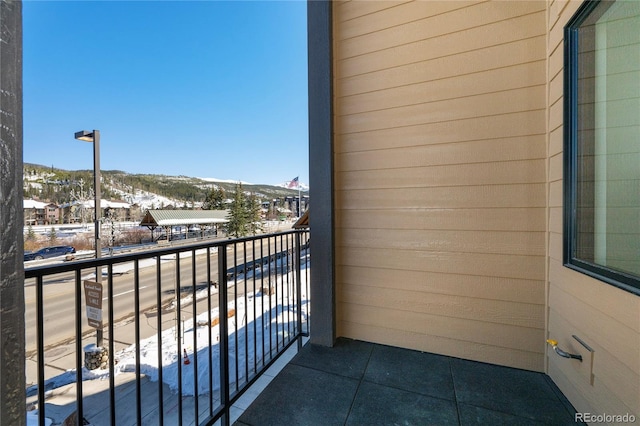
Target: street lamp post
94 137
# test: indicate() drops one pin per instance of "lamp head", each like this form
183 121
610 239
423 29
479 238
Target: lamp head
84 135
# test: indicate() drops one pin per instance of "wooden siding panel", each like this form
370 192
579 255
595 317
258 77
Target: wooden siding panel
520 134
484 82
519 28
348 10
610 375
556 36
496 196
427 343
398 15
479 219
462 338
556 141
457 21
556 86
556 62
606 318
458 307
460 329
381 155
518 243
585 398
613 302
555 9
508 54
556 251
594 327
482 264
440 142
555 167
556 114
474 286
555 220
555 194
499 103
531 171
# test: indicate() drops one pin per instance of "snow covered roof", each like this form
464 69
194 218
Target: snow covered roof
33 204
154 218
103 204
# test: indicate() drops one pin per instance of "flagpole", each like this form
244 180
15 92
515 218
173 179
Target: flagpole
299 200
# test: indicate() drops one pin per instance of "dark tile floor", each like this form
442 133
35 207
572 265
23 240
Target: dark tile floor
359 383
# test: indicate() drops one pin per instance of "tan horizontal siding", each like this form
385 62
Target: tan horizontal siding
597 329
493 34
481 264
618 305
349 10
555 220
515 132
498 103
440 142
441 26
481 219
418 340
383 155
531 171
395 16
507 195
555 194
556 114
494 57
483 82
556 141
443 305
454 284
610 376
496 242
605 317
463 338
555 167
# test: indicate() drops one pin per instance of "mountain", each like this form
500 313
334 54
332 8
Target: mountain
147 190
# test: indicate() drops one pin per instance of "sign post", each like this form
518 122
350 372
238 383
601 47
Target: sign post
93 299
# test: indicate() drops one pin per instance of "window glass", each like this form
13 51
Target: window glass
604 179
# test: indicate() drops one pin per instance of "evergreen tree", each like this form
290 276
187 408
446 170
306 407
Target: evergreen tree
31 235
53 237
254 214
214 199
236 227
244 214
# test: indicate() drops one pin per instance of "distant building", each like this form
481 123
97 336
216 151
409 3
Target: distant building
52 213
35 212
83 211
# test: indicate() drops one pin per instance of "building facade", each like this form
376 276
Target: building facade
444 213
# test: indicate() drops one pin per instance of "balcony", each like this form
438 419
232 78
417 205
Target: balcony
214 323
360 383
260 373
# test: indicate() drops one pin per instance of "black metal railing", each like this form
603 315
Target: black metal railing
193 326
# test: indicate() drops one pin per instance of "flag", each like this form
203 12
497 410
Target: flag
293 183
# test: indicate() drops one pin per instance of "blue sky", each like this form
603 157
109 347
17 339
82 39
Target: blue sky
203 89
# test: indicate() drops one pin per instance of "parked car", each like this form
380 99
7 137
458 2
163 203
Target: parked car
47 252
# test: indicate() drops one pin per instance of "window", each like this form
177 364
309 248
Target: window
602 142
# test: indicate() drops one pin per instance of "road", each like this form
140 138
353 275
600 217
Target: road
59 292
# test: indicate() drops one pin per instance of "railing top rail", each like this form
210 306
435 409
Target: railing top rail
37 271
